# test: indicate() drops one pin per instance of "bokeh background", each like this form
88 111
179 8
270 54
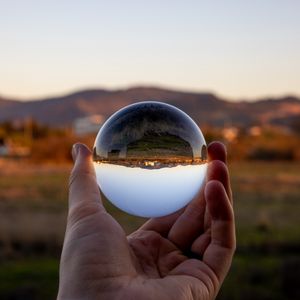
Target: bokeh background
234 66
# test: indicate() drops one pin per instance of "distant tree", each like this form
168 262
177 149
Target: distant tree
296 126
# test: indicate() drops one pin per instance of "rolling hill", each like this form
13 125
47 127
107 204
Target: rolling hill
204 108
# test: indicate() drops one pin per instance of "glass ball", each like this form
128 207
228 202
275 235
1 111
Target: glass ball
150 159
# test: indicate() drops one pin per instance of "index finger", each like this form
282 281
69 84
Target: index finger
218 254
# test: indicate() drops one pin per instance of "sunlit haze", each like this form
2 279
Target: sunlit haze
236 49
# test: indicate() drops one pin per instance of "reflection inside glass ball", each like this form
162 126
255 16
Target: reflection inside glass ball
150 159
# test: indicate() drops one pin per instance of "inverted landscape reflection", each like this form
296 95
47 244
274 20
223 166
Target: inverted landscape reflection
150 159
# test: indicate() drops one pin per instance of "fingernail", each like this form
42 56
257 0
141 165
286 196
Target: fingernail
75 150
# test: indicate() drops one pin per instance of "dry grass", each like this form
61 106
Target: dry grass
33 203
33 209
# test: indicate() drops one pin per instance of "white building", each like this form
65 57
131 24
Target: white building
87 125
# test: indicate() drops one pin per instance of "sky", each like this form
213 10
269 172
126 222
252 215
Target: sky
236 49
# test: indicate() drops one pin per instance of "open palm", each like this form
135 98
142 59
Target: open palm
185 255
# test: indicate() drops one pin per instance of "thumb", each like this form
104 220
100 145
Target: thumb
83 187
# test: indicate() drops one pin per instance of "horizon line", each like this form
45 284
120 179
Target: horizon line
147 86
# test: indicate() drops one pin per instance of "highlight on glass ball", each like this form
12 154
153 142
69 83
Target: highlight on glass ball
150 159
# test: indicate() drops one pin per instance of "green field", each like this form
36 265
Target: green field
33 206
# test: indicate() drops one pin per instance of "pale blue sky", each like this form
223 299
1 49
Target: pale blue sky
237 49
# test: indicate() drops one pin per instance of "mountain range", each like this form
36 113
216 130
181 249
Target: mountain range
204 108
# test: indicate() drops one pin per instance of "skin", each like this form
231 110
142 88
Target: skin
183 256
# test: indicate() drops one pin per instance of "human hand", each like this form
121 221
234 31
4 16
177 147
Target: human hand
183 256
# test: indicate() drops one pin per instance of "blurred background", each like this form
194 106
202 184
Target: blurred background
233 66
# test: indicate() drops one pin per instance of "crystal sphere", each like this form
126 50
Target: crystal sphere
150 159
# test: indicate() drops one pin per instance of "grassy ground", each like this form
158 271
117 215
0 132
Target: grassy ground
33 204
267 203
